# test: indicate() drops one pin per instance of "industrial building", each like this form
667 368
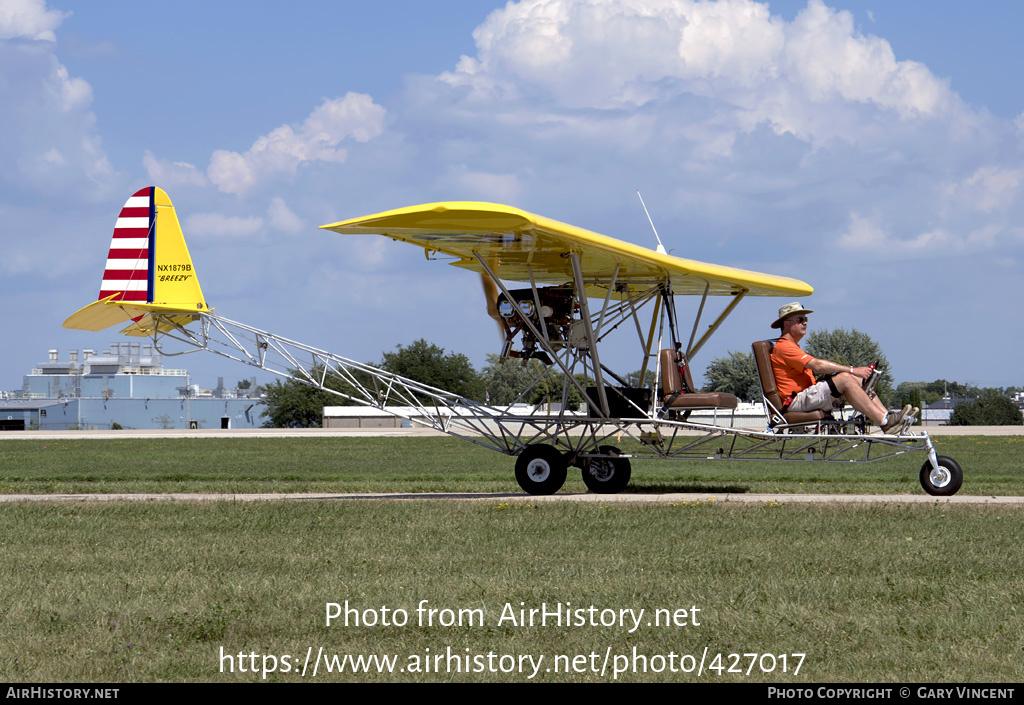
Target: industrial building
126 386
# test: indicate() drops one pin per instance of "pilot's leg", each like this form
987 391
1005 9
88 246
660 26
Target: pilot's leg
850 386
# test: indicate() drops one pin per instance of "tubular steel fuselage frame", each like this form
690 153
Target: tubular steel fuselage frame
660 433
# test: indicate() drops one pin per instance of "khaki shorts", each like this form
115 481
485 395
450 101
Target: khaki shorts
815 397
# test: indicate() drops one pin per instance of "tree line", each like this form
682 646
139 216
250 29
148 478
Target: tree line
292 404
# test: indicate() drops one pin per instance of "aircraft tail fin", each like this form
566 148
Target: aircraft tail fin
148 270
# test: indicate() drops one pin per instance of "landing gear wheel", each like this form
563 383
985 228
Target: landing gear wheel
943 482
609 474
541 469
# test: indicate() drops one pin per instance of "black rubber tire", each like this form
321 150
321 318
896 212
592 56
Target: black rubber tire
944 483
609 474
541 469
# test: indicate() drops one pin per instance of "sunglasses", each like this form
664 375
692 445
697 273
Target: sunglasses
799 319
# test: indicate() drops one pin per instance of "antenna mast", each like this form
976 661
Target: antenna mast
661 248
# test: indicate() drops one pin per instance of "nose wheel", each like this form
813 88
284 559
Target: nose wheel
944 480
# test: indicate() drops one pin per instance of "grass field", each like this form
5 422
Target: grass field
160 591
439 464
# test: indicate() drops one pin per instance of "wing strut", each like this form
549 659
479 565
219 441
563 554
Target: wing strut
536 302
608 297
650 342
696 321
714 326
581 294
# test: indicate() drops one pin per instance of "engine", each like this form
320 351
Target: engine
554 317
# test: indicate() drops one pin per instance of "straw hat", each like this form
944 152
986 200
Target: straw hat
788 310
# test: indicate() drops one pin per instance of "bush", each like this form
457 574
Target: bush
991 409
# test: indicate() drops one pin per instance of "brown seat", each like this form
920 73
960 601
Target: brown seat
675 391
763 360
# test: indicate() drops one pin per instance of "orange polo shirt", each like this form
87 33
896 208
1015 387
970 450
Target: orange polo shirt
789 364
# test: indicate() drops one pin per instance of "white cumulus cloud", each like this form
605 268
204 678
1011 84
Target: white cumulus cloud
285 148
830 59
617 54
47 112
74 92
29 19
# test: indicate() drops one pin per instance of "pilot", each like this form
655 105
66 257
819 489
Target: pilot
800 391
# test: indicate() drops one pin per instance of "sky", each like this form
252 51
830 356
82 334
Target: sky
873 150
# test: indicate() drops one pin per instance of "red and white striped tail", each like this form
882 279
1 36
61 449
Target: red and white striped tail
148 277
129 262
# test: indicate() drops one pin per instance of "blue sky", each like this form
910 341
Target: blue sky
871 149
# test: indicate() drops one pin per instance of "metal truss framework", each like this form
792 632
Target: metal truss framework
576 435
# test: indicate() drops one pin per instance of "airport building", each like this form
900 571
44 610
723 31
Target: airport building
126 386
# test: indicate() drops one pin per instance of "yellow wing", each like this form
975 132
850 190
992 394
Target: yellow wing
515 244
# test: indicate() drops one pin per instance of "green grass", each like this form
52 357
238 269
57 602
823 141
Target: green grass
148 592
389 464
124 592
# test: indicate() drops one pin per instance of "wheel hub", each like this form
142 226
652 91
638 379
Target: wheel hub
538 470
939 477
602 468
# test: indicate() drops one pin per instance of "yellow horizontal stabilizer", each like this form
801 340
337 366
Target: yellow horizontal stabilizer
103 314
516 244
106 313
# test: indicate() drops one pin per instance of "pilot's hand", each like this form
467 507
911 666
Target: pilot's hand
861 372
